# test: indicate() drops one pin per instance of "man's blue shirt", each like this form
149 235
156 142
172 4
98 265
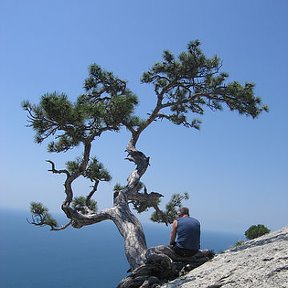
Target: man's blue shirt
188 233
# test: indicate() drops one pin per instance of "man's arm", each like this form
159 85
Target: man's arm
173 233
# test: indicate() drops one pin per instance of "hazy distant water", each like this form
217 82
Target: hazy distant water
89 257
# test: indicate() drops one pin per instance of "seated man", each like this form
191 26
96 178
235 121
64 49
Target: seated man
187 230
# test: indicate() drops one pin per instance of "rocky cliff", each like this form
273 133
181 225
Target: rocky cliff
262 262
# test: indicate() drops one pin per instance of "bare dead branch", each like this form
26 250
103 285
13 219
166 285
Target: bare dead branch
55 171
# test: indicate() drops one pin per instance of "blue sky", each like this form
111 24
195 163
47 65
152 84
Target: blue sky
234 168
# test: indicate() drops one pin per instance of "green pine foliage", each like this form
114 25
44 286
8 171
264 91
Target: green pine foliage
171 208
106 106
40 215
95 170
80 204
192 82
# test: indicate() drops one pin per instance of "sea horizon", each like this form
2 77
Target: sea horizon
76 258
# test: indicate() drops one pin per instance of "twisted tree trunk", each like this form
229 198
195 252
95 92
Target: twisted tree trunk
128 225
126 222
131 230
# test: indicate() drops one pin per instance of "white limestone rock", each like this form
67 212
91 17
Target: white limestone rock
261 262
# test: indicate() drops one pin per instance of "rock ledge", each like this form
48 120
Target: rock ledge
261 262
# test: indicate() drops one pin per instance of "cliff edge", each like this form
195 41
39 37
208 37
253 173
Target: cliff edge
261 262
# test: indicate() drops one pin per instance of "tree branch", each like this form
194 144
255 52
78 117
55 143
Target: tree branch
79 220
91 193
55 171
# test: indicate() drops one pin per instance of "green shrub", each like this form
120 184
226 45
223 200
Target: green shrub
256 231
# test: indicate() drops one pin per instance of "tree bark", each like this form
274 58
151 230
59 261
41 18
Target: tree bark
131 230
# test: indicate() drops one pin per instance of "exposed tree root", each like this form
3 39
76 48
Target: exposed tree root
162 265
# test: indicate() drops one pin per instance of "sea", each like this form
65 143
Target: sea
93 256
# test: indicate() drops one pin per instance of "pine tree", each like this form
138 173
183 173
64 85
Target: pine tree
185 87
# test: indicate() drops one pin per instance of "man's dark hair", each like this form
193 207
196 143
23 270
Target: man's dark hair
183 211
